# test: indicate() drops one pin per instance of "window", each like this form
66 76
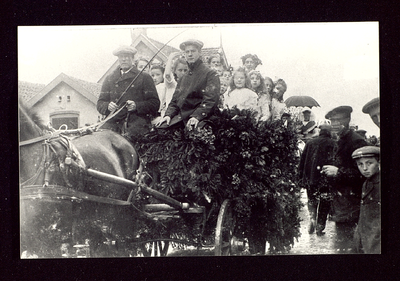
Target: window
68 118
71 122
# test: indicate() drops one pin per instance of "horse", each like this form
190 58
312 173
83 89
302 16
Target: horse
78 221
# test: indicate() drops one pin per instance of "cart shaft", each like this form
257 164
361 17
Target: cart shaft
131 184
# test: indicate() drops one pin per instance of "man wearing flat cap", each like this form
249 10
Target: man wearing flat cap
346 179
140 100
373 109
196 97
367 236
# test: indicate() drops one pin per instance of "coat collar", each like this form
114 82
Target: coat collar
194 65
129 75
370 184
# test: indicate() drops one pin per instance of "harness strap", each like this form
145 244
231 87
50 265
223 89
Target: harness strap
35 140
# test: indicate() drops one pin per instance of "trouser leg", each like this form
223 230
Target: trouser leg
344 237
323 210
312 204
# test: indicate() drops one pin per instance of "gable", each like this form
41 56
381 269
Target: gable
89 90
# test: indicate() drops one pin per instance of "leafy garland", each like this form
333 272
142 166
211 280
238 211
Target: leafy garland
250 162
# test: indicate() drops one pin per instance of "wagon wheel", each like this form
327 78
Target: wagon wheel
163 249
224 230
155 248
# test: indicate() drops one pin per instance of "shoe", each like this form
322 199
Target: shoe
311 226
319 229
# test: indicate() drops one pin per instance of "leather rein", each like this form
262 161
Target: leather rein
47 162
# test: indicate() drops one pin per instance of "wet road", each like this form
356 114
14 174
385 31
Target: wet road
307 244
311 244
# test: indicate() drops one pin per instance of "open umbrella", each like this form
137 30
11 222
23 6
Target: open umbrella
301 101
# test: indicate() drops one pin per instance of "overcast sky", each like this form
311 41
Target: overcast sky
336 63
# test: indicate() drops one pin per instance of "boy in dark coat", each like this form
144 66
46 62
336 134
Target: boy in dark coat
141 98
368 232
317 152
197 94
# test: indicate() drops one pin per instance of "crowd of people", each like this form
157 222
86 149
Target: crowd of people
189 92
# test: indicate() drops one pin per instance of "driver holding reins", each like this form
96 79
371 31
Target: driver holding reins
140 101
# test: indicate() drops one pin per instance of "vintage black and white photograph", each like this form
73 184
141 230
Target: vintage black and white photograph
199 140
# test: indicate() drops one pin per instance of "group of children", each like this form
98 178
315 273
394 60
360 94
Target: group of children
244 87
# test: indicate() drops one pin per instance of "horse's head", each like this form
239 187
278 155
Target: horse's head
30 125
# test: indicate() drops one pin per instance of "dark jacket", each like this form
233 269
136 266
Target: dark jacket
368 233
317 153
348 181
196 95
143 92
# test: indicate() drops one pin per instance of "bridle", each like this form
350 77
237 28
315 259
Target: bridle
50 154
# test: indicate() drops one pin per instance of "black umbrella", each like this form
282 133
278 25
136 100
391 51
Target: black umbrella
301 101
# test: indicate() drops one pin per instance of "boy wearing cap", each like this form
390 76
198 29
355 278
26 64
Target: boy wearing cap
346 179
196 97
368 232
141 97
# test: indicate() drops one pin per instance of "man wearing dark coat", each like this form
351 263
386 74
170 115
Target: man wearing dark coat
317 152
196 97
140 100
346 179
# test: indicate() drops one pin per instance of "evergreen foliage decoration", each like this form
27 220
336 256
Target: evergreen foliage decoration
247 161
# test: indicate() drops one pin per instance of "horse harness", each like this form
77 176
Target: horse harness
50 154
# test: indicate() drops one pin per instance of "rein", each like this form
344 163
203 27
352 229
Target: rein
72 156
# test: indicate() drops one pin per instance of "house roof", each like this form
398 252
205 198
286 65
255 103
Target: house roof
93 88
167 50
26 90
89 90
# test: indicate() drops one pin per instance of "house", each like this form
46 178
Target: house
65 100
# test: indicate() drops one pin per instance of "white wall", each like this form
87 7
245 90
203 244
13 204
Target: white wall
87 110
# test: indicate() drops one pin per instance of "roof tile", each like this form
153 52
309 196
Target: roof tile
27 90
